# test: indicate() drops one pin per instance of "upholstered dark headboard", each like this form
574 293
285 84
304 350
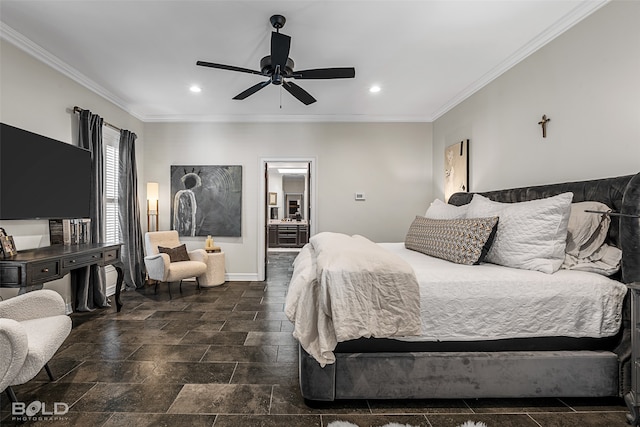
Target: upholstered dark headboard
621 194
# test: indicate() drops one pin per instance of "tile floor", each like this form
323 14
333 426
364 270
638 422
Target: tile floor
225 357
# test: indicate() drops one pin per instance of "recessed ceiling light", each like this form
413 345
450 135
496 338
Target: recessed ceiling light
195 89
374 89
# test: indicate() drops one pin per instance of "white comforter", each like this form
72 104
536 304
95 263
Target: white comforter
335 296
488 301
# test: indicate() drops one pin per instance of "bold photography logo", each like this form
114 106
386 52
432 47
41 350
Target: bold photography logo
38 409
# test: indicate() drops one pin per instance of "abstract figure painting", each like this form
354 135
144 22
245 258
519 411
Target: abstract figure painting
206 200
456 168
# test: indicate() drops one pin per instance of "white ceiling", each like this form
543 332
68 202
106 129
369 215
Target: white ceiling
427 56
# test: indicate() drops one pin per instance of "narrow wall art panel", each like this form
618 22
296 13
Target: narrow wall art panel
456 168
206 200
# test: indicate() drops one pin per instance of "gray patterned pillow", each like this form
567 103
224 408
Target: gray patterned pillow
463 241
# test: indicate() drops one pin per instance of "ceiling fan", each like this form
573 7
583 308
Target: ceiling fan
278 67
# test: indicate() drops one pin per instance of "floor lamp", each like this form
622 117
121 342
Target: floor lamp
152 204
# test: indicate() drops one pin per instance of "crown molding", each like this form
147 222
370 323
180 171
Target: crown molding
21 42
576 15
302 118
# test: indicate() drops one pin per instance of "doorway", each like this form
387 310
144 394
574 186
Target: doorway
289 208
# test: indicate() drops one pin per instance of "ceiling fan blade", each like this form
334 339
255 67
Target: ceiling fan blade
300 94
280 44
228 67
326 73
253 89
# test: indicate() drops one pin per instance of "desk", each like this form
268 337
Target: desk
29 269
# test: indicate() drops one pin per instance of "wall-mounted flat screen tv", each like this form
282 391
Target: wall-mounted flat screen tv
41 178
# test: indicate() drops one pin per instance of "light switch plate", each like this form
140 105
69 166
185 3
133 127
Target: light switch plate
360 196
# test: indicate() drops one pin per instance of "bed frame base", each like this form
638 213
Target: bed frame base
460 375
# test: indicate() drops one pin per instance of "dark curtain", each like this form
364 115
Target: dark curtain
89 283
129 213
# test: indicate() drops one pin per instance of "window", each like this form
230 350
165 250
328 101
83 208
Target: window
111 142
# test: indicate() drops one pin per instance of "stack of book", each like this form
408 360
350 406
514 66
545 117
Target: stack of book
70 231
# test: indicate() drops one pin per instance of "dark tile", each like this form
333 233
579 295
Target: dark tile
191 373
287 399
419 406
502 420
378 420
222 398
159 420
270 338
214 338
110 371
595 403
517 405
252 325
48 393
175 353
241 354
265 373
62 420
259 307
177 315
268 421
221 315
105 350
582 419
128 398
287 354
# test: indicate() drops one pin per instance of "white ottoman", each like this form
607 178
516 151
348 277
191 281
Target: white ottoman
215 270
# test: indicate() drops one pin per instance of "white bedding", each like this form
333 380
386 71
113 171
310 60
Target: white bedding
487 301
347 287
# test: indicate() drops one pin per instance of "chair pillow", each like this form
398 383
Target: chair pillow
463 241
179 253
531 235
441 210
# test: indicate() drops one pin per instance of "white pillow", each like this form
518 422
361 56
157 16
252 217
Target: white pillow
587 231
441 210
531 235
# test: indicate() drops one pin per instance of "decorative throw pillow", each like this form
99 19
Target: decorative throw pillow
531 235
586 231
441 210
179 253
463 241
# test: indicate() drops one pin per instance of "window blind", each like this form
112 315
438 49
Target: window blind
111 141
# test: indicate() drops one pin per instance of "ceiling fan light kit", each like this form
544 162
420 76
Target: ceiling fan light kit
278 67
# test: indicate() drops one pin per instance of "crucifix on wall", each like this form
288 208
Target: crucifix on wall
543 123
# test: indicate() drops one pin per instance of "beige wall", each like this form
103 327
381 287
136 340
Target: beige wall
389 162
586 81
37 98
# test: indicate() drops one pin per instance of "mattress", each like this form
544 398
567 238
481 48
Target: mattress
490 302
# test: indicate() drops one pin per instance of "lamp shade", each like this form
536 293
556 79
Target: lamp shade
152 191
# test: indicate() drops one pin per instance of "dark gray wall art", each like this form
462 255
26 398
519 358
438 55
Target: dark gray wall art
206 200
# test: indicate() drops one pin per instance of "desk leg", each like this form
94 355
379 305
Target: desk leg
119 287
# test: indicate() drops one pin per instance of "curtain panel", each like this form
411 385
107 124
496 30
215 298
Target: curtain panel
89 283
129 213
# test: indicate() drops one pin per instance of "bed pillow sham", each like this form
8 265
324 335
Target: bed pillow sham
586 231
441 210
531 235
177 254
586 234
463 241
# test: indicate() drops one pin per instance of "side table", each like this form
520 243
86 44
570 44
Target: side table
215 270
632 399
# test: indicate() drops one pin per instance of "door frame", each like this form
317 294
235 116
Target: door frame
263 214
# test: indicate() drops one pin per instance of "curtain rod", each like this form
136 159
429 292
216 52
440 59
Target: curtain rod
104 122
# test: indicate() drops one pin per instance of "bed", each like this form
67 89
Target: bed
469 345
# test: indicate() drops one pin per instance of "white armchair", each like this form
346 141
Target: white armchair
32 328
161 268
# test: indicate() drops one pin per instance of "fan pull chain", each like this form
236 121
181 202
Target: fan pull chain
281 97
